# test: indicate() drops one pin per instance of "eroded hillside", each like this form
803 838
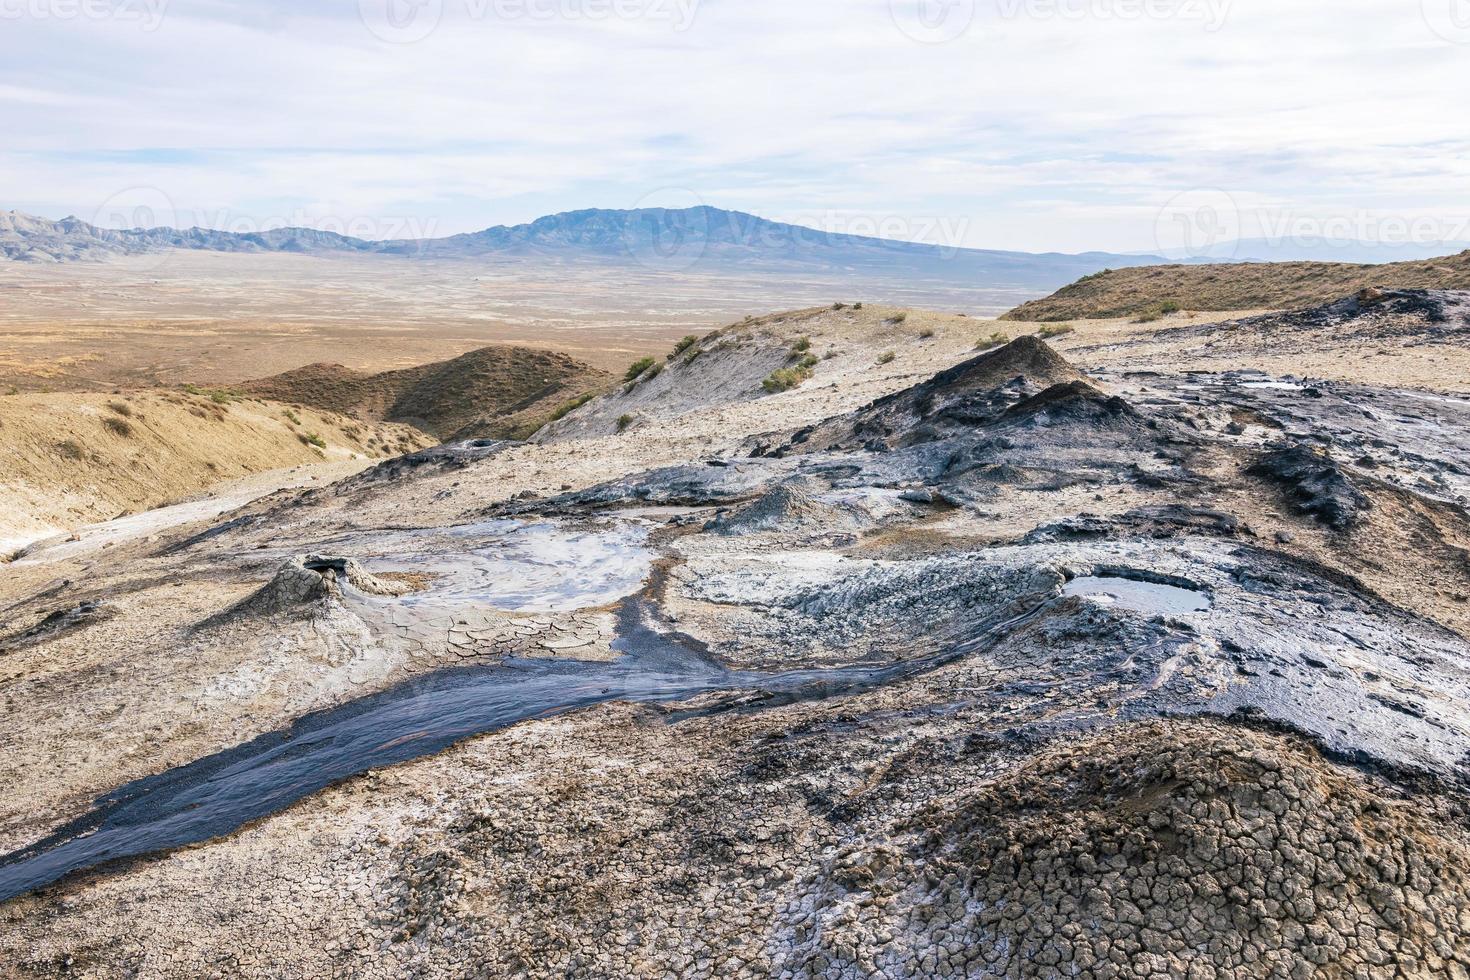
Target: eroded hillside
494 392
1149 290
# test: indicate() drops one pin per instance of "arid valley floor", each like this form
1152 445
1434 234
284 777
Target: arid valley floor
841 642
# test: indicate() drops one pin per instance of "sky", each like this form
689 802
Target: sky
1067 125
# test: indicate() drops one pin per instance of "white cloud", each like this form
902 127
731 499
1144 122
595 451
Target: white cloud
1047 124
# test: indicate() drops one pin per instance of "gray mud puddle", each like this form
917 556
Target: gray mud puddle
522 568
1151 598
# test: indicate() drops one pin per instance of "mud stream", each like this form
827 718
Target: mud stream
219 794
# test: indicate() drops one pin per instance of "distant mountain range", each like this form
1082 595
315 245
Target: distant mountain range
702 239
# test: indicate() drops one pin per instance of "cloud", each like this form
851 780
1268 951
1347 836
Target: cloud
1045 124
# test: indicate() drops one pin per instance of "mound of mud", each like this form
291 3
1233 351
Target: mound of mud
309 579
494 392
972 393
1166 849
789 507
1316 484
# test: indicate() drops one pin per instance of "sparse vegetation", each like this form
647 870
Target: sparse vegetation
857 306
312 439
121 408
839 306
221 397
292 417
887 357
898 318
636 369
121 427
568 407
1054 330
624 421
784 379
683 345
69 449
996 339
926 333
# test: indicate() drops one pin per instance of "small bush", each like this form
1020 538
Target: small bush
69 449
194 389
887 357
839 306
312 439
898 318
567 408
857 306
1054 330
1169 306
926 333
636 369
624 421
831 353
221 397
802 346
292 417
121 408
784 379
120 426
807 362
683 345
994 340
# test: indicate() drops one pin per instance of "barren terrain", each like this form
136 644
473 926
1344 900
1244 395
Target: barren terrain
211 318
826 645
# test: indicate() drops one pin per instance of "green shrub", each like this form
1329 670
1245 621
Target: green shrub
994 340
801 346
784 379
887 357
857 306
683 345
567 408
221 397
312 439
1054 330
624 421
292 417
1169 306
636 369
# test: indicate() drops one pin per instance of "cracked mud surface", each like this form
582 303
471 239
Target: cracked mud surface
971 666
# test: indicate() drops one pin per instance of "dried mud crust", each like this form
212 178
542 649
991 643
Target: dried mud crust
1181 850
836 847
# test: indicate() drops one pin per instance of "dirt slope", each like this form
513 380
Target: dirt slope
494 392
1243 286
71 459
